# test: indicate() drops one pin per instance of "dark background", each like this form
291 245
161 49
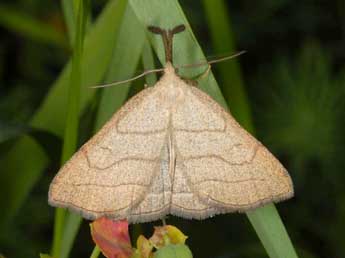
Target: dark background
294 75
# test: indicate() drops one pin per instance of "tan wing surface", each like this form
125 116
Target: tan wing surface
225 167
112 173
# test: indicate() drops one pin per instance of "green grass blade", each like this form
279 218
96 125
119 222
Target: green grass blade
68 12
18 177
71 228
148 63
224 43
265 220
113 97
96 252
125 52
29 27
71 130
271 231
125 60
98 49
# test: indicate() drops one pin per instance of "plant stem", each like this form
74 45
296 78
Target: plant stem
95 253
72 123
60 215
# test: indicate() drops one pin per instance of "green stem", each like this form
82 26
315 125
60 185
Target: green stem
69 17
60 215
95 253
72 121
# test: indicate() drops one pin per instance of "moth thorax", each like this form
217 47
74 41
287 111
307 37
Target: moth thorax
169 68
173 94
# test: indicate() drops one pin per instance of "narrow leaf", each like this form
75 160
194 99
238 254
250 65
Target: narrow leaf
72 123
68 12
148 63
96 252
271 231
125 59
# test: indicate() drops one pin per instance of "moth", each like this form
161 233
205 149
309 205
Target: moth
171 149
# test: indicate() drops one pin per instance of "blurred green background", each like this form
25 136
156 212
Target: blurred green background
293 76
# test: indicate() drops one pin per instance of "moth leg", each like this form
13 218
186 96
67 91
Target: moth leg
194 80
204 74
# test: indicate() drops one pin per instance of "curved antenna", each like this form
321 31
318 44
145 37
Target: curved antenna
168 36
162 69
213 61
128 80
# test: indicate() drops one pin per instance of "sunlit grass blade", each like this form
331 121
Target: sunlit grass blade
18 177
265 220
271 231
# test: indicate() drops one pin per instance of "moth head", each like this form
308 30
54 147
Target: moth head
167 36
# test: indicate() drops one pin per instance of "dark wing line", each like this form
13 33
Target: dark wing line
224 160
74 206
144 133
84 151
103 185
200 131
229 182
257 202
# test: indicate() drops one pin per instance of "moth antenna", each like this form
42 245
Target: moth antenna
222 59
178 29
167 36
128 80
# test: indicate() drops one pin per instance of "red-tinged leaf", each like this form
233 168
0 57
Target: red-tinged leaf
112 237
